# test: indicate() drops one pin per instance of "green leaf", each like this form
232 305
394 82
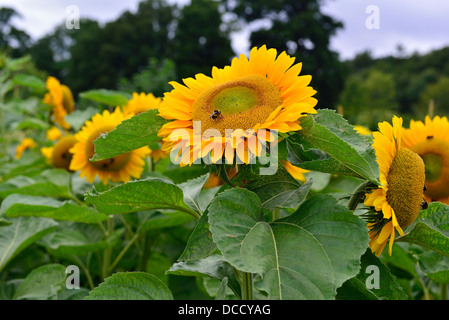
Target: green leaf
159 220
134 133
140 195
279 190
200 244
191 190
364 286
327 143
77 118
430 229
434 266
306 255
27 80
42 283
221 294
213 266
20 234
66 242
51 183
33 206
107 97
131 286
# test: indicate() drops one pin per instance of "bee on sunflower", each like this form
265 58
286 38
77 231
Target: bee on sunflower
242 104
395 204
119 168
430 139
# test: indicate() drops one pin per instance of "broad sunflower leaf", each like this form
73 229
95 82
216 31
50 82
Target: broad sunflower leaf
140 195
200 244
108 97
131 286
435 266
134 133
306 255
16 205
328 143
28 80
374 282
78 240
20 234
430 229
42 283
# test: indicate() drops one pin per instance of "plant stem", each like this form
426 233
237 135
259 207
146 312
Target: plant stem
247 286
108 251
443 291
357 196
122 253
86 271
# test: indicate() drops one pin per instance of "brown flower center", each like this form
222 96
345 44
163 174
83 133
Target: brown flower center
435 154
237 104
405 186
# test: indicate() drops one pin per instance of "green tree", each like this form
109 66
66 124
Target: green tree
304 31
199 42
436 93
12 39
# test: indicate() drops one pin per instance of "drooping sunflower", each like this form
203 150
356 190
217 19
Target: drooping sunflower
264 92
59 155
396 203
430 139
60 98
25 144
119 168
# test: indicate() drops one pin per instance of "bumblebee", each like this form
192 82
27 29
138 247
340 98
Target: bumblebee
215 115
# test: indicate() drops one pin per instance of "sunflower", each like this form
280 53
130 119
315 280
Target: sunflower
59 155
396 203
264 92
430 139
60 98
362 130
141 103
25 144
119 168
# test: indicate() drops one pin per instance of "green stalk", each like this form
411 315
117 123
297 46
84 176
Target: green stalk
358 195
247 286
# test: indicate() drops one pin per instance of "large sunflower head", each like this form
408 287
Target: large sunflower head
396 203
430 139
264 92
60 98
119 168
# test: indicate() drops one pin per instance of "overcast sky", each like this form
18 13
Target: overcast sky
415 24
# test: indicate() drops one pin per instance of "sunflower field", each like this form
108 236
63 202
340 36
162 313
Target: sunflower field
232 185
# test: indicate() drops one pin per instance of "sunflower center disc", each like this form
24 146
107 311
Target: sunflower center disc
236 104
61 156
112 164
405 186
435 154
